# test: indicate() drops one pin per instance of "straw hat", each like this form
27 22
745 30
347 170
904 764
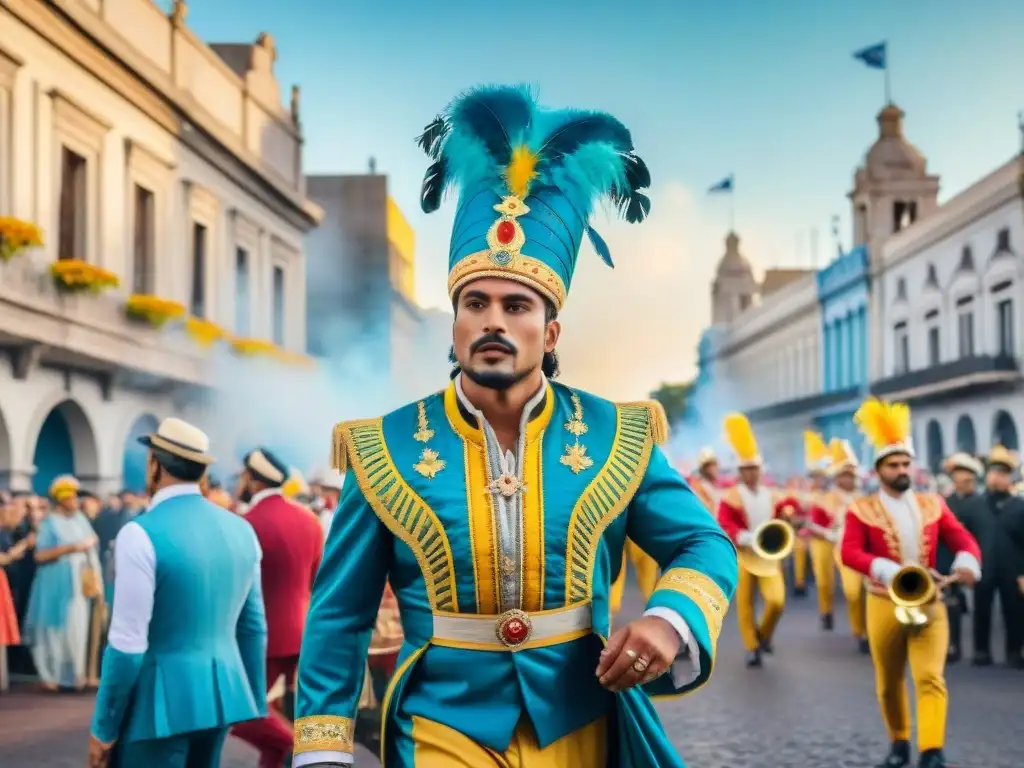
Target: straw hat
961 460
265 466
181 439
1003 457
64 487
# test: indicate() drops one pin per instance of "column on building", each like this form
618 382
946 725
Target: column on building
827 353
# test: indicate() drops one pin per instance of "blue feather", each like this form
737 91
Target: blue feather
600 246
498 116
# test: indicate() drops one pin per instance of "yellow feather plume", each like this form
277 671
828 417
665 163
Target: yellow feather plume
521 171
836 450
740 436
883 423
815 449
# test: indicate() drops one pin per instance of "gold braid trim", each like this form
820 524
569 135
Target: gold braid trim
658 423
703 591
339 453
401 509
327 733
605 498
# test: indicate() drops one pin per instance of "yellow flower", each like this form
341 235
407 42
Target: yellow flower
16 236
74 275
153 310
204 332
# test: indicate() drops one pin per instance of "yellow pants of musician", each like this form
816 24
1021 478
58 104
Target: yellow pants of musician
773 593
892 646
646 569
853 591
800 558
824 565
438 746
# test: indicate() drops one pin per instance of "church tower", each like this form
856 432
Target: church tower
734 288
892 189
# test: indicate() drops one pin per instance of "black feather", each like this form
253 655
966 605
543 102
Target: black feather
434 182
585 129
637 175
432 138
633 206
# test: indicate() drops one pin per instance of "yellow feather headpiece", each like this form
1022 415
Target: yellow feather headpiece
521 171
741 438
815 450
843 457
886 425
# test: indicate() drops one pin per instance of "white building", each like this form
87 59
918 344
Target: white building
172 164
950 324
768 355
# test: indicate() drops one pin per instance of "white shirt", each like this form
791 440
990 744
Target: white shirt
759 507
906 515
135 578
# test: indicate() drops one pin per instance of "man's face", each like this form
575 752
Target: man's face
501 333
894 472
819 481
70 503
244 491
998 479
751 476
846 481
91 506
964 481
710 471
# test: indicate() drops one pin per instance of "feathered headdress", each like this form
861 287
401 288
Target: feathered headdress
843 457
886 426
541 171
741 439
815 451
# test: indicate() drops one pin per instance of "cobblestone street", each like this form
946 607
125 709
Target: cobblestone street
811 706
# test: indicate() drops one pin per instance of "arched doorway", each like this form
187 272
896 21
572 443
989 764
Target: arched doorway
1004 431
66 444
133 468
933 434
966 440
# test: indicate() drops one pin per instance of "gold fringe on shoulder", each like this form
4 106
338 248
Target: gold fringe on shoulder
339 449
657 424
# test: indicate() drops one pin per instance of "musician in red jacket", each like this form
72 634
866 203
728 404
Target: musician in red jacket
292 541
884 532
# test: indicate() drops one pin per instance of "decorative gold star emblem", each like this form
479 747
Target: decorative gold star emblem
576 458
511 205
507 485
423 432
429 464
575 425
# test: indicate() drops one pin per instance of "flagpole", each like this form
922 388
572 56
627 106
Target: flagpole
888 85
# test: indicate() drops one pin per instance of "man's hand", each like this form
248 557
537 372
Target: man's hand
638 653
964 576
1020 584
99 753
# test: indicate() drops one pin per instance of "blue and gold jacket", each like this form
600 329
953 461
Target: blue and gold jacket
419 509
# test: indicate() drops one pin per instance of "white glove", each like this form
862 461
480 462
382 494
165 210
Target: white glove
884 570
745 538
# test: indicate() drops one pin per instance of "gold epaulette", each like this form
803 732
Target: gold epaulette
340 442
657 420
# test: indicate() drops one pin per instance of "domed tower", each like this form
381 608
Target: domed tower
892 189
734 288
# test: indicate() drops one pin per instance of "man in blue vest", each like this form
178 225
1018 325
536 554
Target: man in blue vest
188 635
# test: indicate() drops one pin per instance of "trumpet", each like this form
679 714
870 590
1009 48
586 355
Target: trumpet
911 590
773 543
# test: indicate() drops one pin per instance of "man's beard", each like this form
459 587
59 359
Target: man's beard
901 483
497 380
245 496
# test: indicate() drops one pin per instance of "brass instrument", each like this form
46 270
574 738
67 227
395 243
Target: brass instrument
773 543
911 590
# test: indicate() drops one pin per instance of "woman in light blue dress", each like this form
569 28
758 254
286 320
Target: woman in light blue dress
60 604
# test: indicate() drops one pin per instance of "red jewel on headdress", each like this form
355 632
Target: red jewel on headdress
506 232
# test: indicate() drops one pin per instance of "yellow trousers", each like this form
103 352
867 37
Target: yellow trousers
800 558
824 565
892 646
773 593
618 587
646 569
853 591
438 746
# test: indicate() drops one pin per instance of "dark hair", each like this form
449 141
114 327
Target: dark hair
548 365
177 467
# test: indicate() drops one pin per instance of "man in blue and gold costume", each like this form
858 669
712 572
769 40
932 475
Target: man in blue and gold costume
498 509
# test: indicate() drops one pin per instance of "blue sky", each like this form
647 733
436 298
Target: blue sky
766 90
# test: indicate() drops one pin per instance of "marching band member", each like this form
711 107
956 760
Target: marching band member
705 481
742 511
891 537
816 461
826 526
505 607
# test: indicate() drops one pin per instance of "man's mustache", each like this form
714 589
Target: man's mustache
495 339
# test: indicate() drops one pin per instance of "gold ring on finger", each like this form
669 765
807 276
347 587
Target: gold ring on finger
631 654
641 664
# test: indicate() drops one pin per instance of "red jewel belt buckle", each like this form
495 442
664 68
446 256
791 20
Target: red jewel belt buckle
513 628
